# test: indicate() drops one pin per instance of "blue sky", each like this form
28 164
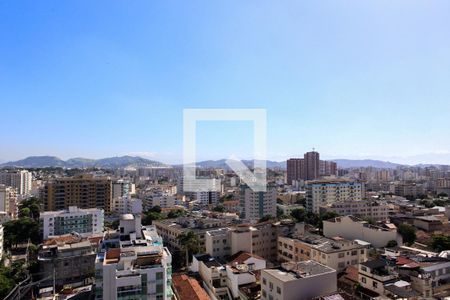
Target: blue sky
104 78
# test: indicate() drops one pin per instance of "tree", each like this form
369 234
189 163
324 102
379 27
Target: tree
440 242
20 230
266 218
156 209
298 214
442 195
151 216
32 206
219 208
175 213
391 244
408 233
190 243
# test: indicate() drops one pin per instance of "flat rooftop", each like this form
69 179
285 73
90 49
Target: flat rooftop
297 270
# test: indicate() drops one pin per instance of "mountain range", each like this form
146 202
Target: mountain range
78 162
136 161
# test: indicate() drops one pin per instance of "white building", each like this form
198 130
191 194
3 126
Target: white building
352 228
132 263
324 192
83 221
21 180
242 270
298 281
164 201
122 188
126 205
255 205
210 198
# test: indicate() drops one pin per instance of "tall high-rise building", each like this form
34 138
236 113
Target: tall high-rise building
85 191
327 168
295 169
312 165
255 205
21 180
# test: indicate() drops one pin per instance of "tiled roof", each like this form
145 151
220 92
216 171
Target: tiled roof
188 288
241 256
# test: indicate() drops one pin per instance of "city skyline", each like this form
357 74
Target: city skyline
363 80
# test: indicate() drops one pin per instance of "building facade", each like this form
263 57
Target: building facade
375 210
352 228
84 191
132 263
21 180
82 221
298 281
325 192
255 205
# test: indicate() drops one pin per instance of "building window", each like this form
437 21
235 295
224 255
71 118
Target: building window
363 279
375 284
278 290
264 281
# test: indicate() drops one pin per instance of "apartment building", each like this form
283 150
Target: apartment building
68 259
122 188
298 281
164 201
126 205
21 180
336 253
225 280
81 221
207 198
259 239
353 228
406 189
8 201
132 263
171 229
324 192
374 275
375 210
85 191
255 205
310 167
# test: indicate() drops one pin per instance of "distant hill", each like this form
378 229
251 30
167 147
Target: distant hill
221 164
106 163
363 163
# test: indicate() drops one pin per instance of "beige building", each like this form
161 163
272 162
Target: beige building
255 205
259 239
84 191
8 201
352 228
171 229
298 281
377 211
325 192
336 253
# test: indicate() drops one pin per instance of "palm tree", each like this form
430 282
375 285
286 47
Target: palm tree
190 243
